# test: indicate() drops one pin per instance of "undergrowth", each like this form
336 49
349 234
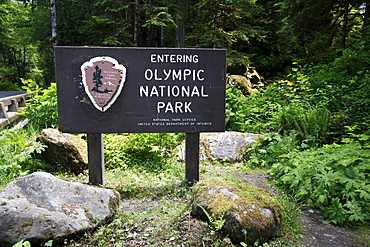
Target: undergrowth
334 178
42 107
149 151
16 154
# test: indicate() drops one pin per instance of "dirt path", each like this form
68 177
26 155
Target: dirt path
318 234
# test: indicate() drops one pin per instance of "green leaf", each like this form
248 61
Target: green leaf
22 244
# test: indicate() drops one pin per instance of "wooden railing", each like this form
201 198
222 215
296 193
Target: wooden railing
9 106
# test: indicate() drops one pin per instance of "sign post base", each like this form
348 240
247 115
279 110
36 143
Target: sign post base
192 158
95 149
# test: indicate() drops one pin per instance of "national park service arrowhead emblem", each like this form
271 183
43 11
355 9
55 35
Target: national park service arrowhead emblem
103 79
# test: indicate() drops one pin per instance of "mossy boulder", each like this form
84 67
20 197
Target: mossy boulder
240 82
242 211
65 150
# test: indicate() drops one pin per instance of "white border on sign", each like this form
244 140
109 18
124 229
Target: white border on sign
117 66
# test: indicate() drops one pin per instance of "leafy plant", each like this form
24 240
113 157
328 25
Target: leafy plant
360 139
42 107
22 243
150 151
251 113
216 223
334 178
7 85
16 153
311 124
269 148
343 85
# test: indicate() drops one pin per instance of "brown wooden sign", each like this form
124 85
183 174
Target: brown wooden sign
117 90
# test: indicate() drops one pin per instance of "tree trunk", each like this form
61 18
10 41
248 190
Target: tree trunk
366 26
135 21
345 24
180 33
54 33
162 36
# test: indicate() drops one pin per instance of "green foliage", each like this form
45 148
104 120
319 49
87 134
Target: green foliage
18 54
360 139
216 223
104 22
252 113
269 148
344 86
334 178
291 231
222 23
150 151
311 124
160 17
7 85
42 107
22 244
16 153
270 34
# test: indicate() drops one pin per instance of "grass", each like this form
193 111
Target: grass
154 211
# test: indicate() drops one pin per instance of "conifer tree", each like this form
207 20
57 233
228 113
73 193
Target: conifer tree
96 80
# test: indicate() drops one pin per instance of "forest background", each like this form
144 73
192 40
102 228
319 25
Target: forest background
312 111
269 35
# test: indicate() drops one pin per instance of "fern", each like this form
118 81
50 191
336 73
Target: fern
215 223
311 123
333 178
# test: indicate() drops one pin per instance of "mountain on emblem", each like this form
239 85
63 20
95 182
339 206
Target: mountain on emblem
103 79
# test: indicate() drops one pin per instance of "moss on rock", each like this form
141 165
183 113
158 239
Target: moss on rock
248 212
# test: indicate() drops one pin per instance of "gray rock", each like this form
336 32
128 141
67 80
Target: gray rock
249 72
242 211
40 207
241 82
65 150
229 146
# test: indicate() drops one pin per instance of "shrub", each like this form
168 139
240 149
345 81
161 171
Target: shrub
42 108
334 178
6 85
344 85
150 151
252 113
311 124
16 150
269 148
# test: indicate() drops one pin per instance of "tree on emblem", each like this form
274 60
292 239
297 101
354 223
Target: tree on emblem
98 83
96 79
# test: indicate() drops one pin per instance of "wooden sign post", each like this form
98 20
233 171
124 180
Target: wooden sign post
140 90
95 151
192 158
